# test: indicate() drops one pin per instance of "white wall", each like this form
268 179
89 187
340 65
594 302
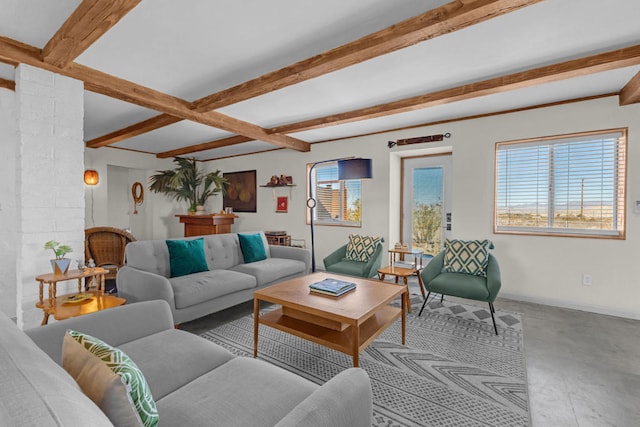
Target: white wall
155 218
8 201
540 269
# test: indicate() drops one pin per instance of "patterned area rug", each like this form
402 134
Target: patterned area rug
453 370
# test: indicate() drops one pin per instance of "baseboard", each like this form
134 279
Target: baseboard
572 305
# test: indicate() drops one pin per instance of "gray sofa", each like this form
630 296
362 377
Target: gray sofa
194 382
228 282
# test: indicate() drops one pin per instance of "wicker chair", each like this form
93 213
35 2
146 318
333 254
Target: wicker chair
106 246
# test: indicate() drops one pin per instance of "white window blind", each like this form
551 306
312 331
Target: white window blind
337 202
567 185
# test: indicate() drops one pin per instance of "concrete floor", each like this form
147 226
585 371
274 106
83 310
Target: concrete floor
583 369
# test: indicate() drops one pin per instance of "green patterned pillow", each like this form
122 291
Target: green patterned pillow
110 378
361 248
466 256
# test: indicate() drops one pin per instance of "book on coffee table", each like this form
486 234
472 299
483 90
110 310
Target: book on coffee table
332 287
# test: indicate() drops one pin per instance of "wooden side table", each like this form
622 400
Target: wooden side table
56 305
404 273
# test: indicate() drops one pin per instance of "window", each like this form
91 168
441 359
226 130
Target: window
570 185
337 202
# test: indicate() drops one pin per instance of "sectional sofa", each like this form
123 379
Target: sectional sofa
227 280
193 381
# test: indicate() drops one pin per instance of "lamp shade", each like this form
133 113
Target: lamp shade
91 177
355 169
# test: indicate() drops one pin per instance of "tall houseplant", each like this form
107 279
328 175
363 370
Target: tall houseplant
187 183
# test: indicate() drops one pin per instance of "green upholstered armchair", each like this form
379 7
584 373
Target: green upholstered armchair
462 285
336 262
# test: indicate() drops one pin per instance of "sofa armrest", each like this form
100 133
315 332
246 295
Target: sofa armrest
371 269
335 256
344 400
290 252
138 285
432 269
493 278
114 326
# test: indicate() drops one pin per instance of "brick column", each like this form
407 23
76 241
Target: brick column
49 178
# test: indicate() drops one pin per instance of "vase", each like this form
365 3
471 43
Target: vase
200 210
60 266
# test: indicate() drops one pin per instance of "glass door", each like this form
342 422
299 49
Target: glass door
426 198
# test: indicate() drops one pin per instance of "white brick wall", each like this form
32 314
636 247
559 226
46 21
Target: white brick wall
8 212
49 183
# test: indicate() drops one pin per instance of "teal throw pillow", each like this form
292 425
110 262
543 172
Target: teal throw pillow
186 257
466 256
252 247
361 248
110 378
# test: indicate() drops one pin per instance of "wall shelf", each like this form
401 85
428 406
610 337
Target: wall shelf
273 189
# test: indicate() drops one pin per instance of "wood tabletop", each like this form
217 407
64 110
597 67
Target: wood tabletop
71 274
358 304
63 310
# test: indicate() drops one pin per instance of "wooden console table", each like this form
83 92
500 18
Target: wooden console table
198 225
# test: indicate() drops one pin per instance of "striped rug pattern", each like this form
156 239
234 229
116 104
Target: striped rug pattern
453 370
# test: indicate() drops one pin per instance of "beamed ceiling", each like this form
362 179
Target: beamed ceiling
216 78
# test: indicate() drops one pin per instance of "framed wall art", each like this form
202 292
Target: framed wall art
282 204
241 191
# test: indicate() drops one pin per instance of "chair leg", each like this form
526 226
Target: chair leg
492 310
424 303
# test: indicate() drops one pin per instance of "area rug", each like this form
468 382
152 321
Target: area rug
453 370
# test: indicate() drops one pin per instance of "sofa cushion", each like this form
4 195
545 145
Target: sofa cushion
242 392
271 269
169 367
198 287
361 248
104 389
99 383
35 390
466 256
252 247
186 257
460 285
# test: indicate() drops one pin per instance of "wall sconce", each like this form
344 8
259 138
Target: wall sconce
91 177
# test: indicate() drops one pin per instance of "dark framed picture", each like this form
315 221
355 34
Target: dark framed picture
241 191
282 204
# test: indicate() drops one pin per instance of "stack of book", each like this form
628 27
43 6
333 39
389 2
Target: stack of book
333 287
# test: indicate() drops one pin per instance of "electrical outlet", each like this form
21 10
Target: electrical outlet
586 280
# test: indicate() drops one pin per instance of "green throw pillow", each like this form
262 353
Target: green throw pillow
186 257
466 256
361 248
110 378
252 247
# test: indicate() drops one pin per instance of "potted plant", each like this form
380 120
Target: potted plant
187 183
60 264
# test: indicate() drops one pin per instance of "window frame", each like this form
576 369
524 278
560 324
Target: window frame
619 200
330 223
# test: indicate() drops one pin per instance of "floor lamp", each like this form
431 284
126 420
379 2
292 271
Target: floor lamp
348 168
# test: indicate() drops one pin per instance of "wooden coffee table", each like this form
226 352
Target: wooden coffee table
348 323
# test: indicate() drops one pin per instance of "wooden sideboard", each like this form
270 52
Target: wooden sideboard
197 225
